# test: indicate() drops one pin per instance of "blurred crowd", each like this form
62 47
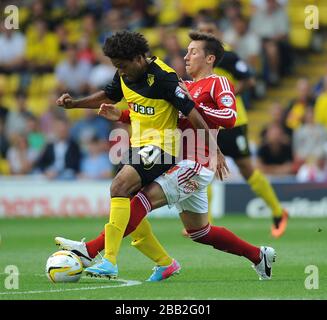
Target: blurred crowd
58 48
295 141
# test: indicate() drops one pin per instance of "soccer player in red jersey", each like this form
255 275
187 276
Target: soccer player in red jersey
234 142
185 185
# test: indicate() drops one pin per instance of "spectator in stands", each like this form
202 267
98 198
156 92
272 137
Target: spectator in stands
314 171
95 164
297 107
275 154
63 39
20 156
137 19
71 14
97 8
16 121
309 141
42 52
13 45
229 9
277 116
89 126
262 4
320 108
60 158
3 110
48 117
271 25
4 143
85 50
39 10
172 47
245 42
102 73
319 86
113 21
89 28
35 137
72 74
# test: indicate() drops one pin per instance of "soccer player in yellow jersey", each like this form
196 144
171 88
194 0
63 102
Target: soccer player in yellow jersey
154 97
234 142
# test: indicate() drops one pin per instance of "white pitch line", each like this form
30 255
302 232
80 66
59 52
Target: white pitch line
125 283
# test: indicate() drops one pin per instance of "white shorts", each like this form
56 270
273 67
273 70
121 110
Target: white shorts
185 186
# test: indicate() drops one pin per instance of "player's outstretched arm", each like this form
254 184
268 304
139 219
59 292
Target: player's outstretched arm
90 102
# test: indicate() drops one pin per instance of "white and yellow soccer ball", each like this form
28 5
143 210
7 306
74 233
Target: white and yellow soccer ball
64 266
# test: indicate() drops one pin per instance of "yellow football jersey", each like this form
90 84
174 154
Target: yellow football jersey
154 102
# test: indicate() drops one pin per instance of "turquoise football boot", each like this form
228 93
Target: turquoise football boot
103 269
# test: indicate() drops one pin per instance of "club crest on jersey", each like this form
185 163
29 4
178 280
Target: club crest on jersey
191 186
150 79
179 92
227 100
197 92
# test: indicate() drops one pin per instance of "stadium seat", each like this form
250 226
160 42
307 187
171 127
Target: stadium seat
4 167
300 38
9 83
152 35
49 83
322 5
75 114
169 13
302 2
183 38
192 7
24 12
296 13
9 101
37 104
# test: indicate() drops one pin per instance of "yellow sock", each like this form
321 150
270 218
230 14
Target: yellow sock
262 187
145 241
115 229
210 216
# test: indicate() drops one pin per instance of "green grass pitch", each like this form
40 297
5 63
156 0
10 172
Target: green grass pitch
206 273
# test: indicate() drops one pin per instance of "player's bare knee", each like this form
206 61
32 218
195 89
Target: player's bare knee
119 188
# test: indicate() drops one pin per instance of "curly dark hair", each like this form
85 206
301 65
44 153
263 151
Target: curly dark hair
212 45
125 45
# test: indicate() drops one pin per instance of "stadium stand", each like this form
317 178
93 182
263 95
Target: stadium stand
48 29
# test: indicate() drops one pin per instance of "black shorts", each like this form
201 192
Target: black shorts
148 173
234 142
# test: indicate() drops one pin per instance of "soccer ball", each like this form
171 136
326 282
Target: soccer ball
64 266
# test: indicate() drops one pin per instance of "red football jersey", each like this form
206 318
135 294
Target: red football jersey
215 101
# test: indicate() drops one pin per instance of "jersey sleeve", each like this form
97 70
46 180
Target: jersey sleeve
224 113
113 90
125 116
236 66
173 93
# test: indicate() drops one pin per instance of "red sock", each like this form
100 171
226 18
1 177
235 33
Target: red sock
225 240
140 206
95 246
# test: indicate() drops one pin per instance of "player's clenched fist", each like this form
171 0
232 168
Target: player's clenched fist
65 101
109 111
